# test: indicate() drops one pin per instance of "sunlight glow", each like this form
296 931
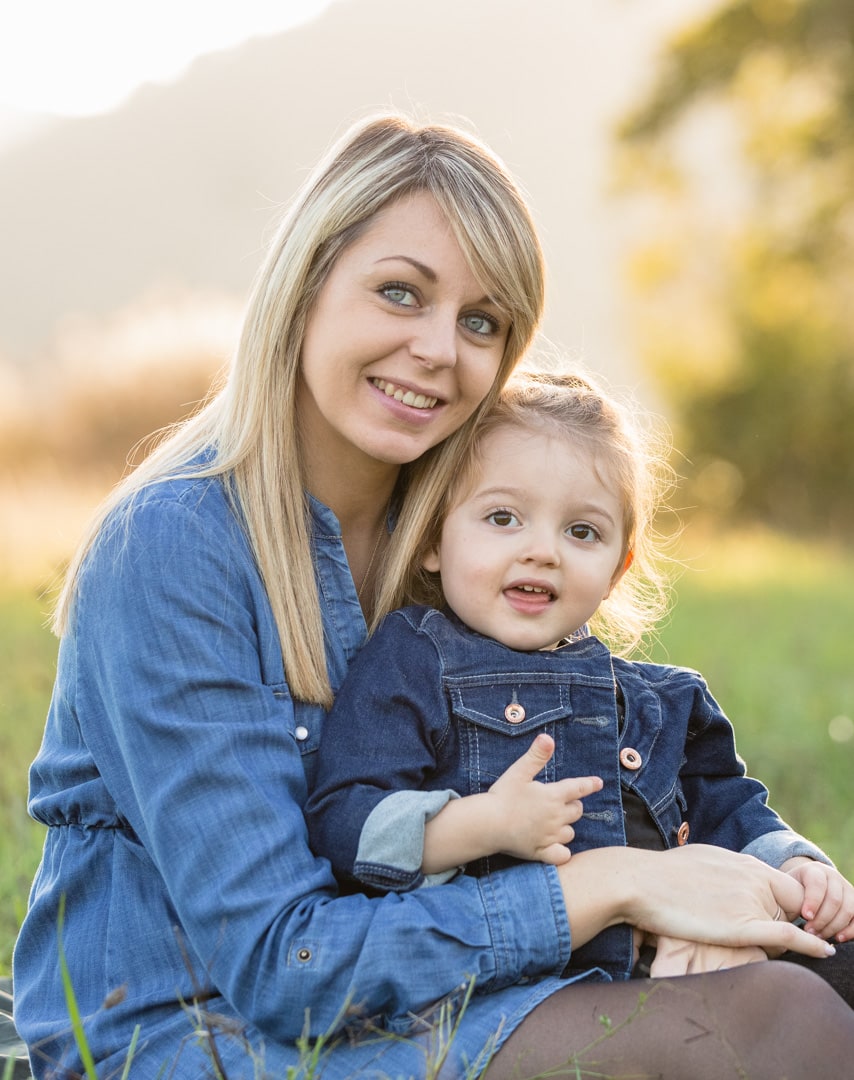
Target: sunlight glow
77 59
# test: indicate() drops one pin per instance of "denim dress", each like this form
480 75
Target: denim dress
432 710
171 780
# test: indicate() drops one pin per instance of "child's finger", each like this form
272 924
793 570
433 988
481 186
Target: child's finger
818 892
577 787
846 933
534 760
555 854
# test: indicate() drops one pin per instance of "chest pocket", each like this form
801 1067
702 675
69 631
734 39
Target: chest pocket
496 721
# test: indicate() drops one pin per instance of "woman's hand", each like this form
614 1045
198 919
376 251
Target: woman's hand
697 893
828 905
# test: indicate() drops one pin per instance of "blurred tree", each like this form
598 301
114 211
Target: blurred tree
740 164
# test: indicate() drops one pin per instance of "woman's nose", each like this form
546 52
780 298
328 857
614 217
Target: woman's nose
434 343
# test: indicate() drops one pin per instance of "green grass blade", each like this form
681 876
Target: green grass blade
71 1002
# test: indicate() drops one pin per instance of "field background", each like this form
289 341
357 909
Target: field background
691 167
766 619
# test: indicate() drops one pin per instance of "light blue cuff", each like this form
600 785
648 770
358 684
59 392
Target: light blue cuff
774 848
391 844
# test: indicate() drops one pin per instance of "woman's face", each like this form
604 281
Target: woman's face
401 345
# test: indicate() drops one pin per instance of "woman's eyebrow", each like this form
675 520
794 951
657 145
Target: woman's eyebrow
421 267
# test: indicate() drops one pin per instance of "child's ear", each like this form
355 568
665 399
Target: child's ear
618 573
430 562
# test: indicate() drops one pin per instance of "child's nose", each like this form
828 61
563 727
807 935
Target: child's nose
542 548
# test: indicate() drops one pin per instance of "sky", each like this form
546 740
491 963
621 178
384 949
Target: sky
82 57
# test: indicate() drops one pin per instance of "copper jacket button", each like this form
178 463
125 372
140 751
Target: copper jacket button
630 758
682 835
514 712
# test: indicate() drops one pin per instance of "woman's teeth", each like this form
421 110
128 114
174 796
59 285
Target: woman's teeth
417 401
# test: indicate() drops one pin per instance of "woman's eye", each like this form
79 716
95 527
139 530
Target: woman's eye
478 323
583 532
399 294
504 519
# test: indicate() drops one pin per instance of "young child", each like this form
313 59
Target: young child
423 771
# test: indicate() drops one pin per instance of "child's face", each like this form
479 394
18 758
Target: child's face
534 547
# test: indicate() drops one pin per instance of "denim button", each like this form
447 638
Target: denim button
630 758
303 954
301 733
682 835
514 712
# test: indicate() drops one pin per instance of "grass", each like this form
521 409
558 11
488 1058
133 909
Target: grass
765 619
27 666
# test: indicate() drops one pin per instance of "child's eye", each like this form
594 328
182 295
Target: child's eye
480 323
583 532
399 293
504 519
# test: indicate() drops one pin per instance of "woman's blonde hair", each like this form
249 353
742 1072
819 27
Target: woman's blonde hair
248 428
626 448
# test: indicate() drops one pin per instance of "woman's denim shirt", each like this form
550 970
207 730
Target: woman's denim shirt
172 778
432 710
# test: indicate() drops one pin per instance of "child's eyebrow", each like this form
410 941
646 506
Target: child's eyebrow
498 493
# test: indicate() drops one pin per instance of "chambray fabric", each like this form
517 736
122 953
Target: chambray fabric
423 715
172 778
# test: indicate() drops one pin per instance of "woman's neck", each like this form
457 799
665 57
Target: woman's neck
359 498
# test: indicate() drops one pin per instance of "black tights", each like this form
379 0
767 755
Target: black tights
762 1022
837 970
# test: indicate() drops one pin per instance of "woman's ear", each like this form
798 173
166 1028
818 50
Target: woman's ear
430 562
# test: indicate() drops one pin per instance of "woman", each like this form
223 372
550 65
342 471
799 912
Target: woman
206 623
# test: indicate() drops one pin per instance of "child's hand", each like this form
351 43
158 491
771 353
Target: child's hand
535 819
828 907
676 957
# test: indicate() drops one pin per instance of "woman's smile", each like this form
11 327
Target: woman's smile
413 398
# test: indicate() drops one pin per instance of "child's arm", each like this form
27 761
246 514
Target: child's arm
518 816
828 906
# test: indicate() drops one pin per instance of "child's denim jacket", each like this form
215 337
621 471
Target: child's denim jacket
431 710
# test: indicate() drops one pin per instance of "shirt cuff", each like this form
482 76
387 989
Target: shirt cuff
391 844
528 922
774 848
